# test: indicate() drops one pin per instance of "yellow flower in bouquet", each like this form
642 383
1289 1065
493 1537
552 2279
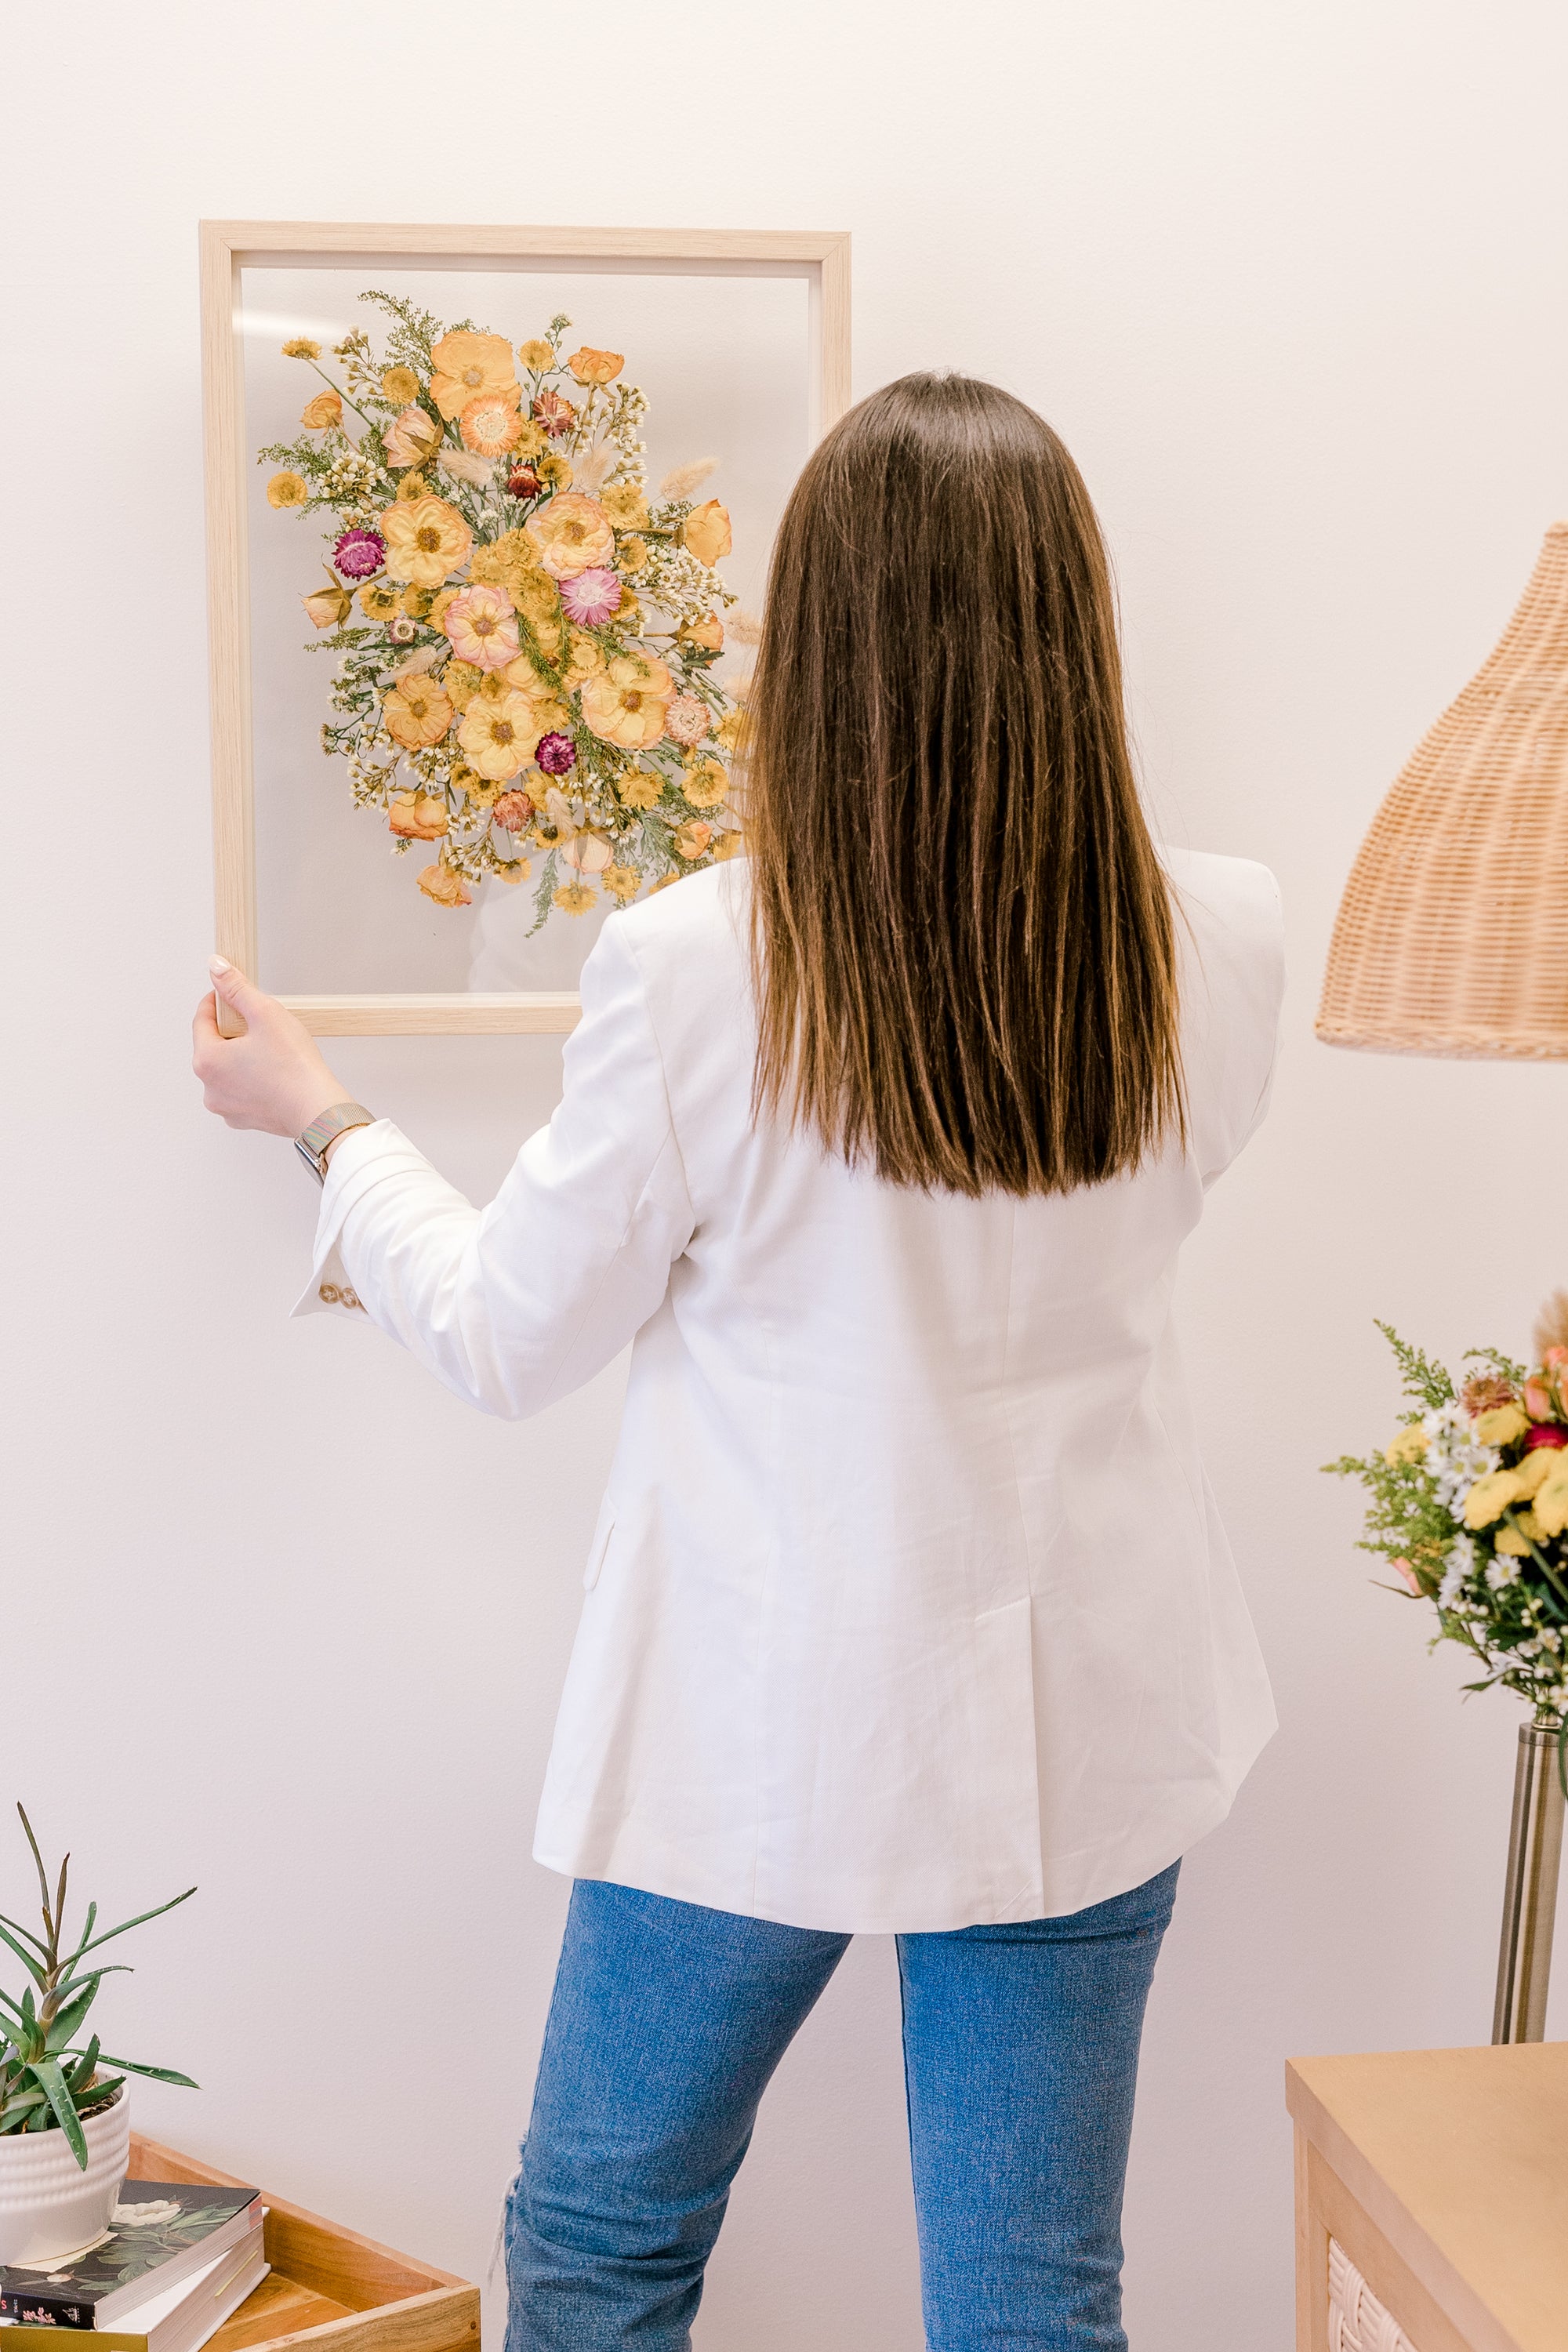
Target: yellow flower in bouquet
400 384
461 682
379 599
585 659
1505 1425
286 489
622 882
730 731
416 712
500 737
439 882
1410 1445
640 788
417 816
466 364
536 355
572 534
575 898
627 704
426 539
704 784
590 366
706 532
626 503
326 409
301 347
1491 1496
555 473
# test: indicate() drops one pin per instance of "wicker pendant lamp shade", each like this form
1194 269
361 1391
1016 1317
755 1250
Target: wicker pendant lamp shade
1452 935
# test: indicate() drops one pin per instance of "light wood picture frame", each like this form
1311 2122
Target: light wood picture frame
228 249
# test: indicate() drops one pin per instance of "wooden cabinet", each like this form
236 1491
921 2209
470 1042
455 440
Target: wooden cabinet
1432 2200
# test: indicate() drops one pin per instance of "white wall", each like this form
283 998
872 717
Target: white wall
277 1615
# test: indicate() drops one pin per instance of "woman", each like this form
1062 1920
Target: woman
908 1610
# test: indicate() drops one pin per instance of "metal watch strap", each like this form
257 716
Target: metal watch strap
325 1129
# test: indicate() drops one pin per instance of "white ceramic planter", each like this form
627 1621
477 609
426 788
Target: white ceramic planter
48 2206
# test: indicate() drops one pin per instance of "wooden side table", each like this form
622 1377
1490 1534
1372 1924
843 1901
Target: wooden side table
329 2288
1432 2200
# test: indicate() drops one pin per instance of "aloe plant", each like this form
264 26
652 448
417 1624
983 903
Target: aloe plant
49 2078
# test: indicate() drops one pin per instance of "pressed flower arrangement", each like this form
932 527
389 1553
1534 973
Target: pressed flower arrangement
526 637
1469 1504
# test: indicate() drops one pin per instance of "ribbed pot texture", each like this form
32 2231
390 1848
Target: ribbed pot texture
48 2206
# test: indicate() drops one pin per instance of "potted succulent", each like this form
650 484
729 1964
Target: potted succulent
65 2120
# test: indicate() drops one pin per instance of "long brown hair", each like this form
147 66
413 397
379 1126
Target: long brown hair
963 941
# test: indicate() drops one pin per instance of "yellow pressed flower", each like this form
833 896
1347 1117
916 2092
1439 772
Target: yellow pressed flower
328 607
622 882
513 869
629 614
664 882
532 440
570 534
500 737
728 846
640 788
417 816
590 366
400 384
324 410
287 490
536 355
627 704
415 603
1551 1503
426 539
585 659
1409 1446
412 485
1491 1496
575 898
706 532
1504 1425
438 604
300 347
538 599
466 364
730 731
631 555
416 712
480 788
439 882
379 599
554 473
627 505
461 680
704 784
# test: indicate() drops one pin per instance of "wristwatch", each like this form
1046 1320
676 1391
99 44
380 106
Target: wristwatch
312 1145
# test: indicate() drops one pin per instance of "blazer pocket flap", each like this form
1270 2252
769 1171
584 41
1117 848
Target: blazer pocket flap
601 1544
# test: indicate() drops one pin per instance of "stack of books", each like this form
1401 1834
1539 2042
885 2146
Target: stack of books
175 2261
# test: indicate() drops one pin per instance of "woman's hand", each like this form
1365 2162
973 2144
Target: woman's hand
274 1076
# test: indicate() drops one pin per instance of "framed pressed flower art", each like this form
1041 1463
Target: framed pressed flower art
486 510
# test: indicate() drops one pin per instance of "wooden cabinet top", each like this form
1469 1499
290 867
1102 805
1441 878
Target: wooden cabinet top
1460 2157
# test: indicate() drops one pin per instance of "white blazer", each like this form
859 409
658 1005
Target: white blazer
908 1606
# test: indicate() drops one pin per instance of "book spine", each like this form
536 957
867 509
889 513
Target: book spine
35 2310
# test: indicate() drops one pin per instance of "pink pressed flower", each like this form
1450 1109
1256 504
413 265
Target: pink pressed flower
590 597
513 811
554 754
687 719
482 628
556 415
358 553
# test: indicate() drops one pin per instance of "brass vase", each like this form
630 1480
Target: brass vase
1530 1892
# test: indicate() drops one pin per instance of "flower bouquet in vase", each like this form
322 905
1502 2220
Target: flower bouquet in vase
1469 1505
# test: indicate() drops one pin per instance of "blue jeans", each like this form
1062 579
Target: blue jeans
1020 2062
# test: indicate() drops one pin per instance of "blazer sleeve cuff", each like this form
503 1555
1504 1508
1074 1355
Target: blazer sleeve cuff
366 1157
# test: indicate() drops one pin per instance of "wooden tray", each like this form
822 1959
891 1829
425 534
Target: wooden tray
328 2286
